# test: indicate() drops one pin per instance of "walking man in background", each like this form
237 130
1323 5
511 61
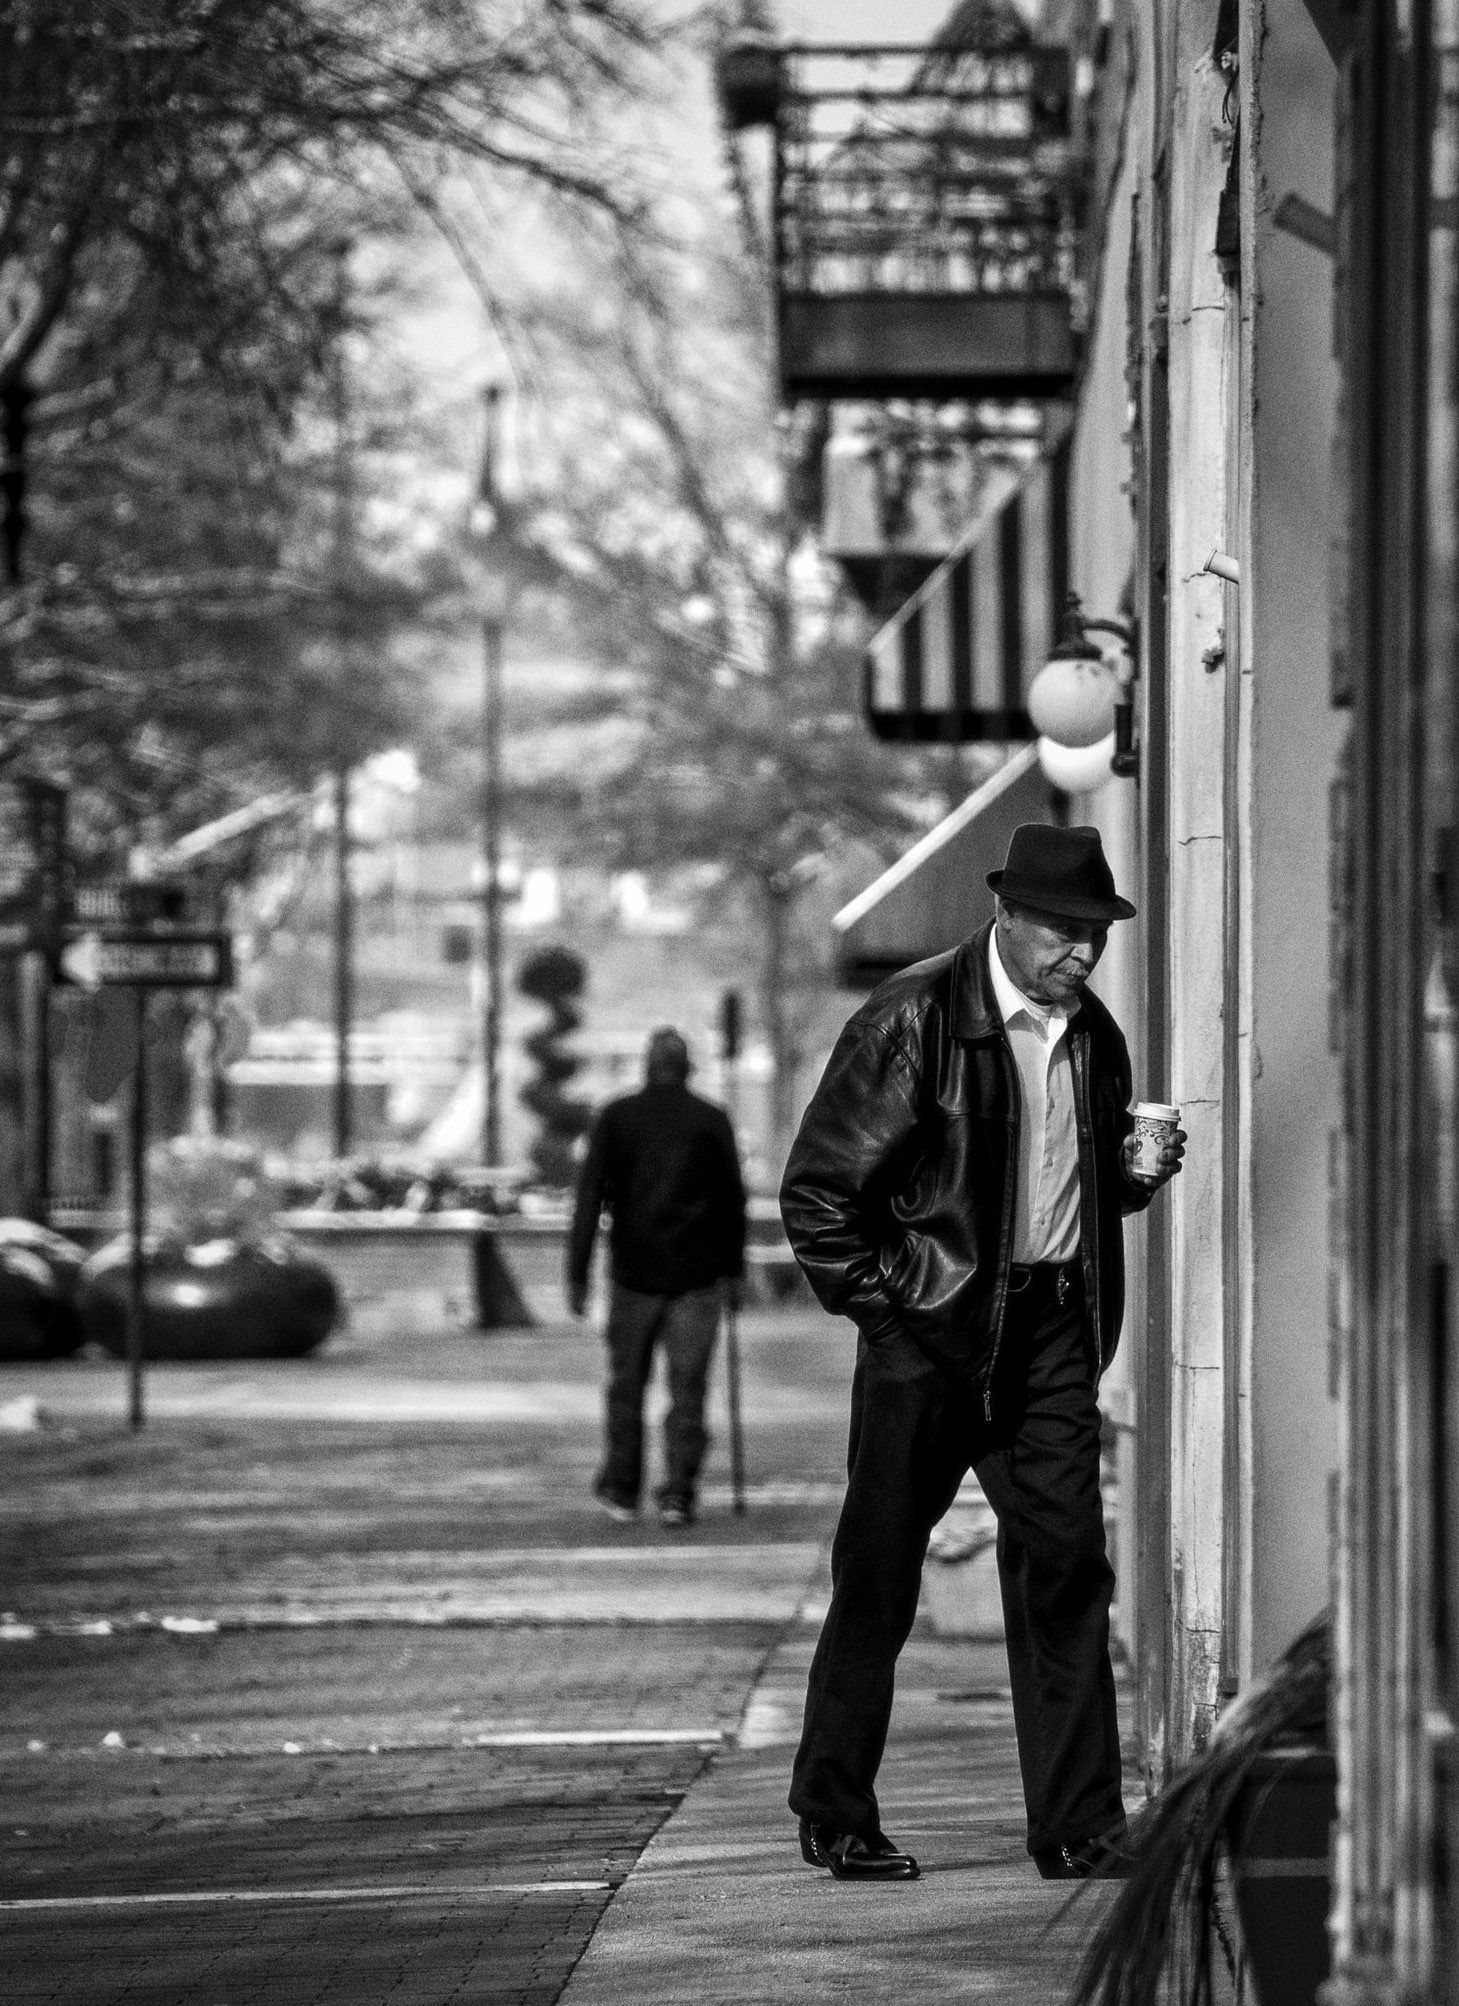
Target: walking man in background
957 1189
665 1165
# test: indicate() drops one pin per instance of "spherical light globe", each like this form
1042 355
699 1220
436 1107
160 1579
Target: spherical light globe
1077 769
1071 700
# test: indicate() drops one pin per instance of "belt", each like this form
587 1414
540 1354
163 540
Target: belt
1057 1278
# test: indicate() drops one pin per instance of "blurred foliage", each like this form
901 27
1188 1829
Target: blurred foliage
204 206
724 727
178 182
203 1188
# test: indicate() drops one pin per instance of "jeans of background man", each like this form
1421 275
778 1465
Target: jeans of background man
684 1327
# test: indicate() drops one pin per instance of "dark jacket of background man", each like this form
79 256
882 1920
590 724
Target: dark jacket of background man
664 1163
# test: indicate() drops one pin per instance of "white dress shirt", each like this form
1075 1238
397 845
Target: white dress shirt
1046 1203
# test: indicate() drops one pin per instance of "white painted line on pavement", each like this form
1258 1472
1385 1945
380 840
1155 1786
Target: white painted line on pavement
502 1738
644 1609
485 1891
598 1737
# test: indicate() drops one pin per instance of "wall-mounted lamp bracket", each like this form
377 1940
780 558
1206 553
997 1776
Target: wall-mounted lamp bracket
1075 645
1125 759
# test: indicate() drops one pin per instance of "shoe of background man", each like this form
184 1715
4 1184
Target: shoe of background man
623 1509
1083 1860
849 1857
675 1514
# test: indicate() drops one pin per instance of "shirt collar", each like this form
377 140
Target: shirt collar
1049 1017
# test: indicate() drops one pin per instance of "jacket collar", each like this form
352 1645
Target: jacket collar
974 1011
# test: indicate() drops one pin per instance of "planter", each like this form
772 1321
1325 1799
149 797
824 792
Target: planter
1261 1796
222 1299
1279 1837
39 1274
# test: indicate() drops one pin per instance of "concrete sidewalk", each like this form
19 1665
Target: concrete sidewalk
720 1907
333 1686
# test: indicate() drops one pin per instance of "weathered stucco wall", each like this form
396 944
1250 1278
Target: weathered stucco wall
1291 739
1233 1477
1102 552
1202 950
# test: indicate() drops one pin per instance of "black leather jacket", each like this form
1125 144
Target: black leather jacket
898 1194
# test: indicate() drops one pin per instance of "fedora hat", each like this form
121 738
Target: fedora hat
1060 871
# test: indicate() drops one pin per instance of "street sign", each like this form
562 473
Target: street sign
148 960
136 902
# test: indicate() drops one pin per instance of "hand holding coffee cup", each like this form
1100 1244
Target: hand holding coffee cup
1153 1152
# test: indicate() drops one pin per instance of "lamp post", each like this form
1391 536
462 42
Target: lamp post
344 967
344 945
491 857
491 597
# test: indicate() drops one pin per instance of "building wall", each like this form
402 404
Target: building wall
1224 983
1102 555
1292 740
1199 814
1161 297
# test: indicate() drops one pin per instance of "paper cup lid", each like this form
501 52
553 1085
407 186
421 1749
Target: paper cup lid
1155 1111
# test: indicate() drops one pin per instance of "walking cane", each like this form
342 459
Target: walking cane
732 1387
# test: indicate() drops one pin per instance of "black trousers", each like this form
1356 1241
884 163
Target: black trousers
915 1433
684 1328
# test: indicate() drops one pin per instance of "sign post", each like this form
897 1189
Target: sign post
729 1045
141 959
137 1271
46 804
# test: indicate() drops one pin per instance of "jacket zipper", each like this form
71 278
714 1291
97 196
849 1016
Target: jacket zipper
1005 1236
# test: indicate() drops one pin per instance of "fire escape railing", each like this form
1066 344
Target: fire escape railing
925 216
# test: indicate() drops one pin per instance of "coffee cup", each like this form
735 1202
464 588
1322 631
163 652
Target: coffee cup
1155 1125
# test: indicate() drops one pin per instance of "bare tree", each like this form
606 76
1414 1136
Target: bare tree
728 653
178 181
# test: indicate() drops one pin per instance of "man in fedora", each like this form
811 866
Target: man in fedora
957 1189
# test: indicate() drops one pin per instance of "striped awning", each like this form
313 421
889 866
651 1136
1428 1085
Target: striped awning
954 664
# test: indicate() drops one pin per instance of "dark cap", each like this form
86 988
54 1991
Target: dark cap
1060 871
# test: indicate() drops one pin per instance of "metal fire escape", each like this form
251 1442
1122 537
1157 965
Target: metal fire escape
925 204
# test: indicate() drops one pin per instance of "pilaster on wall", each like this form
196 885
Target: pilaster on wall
1199 816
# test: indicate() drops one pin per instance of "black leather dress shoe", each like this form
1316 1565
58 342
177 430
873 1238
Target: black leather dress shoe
1082 1860
849 1857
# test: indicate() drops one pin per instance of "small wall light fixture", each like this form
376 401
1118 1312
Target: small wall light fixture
1077 694
1222 566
